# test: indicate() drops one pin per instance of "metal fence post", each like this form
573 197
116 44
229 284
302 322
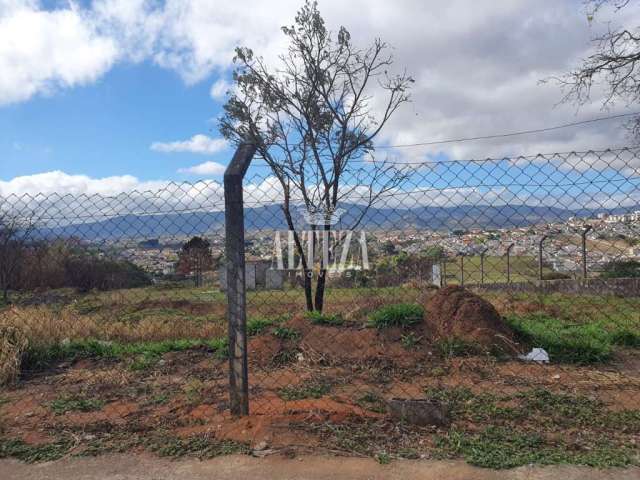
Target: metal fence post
509 262
462 270
540 242
236 295
586 230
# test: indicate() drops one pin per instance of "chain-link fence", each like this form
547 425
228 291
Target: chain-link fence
114 336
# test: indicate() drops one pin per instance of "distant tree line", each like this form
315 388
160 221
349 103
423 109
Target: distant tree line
27 264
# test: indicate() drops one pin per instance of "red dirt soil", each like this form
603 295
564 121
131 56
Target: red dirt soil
454 312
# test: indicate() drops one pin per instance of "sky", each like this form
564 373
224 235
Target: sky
107 96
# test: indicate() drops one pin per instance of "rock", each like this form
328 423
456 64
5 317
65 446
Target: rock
420 412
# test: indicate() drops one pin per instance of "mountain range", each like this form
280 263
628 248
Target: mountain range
271 218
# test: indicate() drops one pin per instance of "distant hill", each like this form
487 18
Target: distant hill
271 217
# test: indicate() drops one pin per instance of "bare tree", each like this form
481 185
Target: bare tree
15 232
311 118
615 63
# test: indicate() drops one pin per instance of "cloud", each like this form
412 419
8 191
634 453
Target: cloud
43 51
196 144
206 168
219 89
477 65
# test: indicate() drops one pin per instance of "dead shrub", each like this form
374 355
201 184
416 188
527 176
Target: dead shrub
12 345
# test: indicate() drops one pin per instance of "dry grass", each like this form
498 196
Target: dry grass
12 345
42 326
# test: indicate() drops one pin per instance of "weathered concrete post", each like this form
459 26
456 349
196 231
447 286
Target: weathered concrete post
540 262
586 230
236 296
509 262
482 254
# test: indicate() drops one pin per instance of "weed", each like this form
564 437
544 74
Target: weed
257 325
498 448
159 399
410 340
286 333
200 447
329 319
397 315
193 391
13 448
456 347
372 401
62 405
147 352
314 388
383 458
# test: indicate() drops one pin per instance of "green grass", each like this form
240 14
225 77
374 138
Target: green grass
329 319
397 315
285 333
565 342
13 448
143 354
500 448
258 325
62 405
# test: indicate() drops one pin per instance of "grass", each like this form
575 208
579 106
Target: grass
200 447
397 315
285 333
500 448
534 426
143 354
313 388
565 342
13 448
523 269
329 319
258 325
372 401
62 405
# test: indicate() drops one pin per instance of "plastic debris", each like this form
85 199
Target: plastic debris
538 355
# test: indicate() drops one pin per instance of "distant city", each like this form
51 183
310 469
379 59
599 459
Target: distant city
611 237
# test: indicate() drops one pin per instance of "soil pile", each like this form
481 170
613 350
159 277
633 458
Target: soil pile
454 312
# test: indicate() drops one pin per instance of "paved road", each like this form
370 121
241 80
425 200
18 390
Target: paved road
122 467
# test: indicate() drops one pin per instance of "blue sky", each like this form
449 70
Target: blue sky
106 128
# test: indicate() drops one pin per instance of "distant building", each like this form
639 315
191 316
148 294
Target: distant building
258 276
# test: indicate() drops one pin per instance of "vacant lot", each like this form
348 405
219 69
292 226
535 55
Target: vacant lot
146 369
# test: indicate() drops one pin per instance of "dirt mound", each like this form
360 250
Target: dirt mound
454 312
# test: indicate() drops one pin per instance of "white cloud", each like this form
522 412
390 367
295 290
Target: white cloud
477 65
219 89
206 168
42 51
196 144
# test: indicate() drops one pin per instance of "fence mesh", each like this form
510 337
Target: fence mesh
114 326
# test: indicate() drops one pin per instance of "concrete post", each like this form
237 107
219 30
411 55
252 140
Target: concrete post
540 262
482 254
235 278
586 230
509 262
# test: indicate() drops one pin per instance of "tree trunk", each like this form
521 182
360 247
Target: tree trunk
322 276
319 303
